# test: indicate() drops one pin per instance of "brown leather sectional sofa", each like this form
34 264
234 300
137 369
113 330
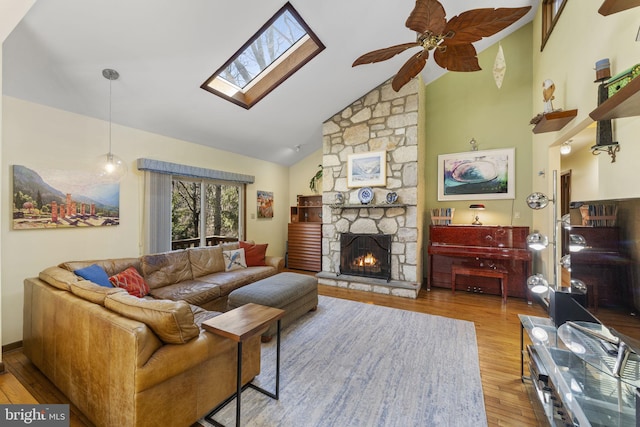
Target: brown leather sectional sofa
128 361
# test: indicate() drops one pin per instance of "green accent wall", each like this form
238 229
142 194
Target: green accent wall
460 106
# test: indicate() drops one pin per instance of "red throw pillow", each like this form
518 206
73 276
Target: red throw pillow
254 254
132 281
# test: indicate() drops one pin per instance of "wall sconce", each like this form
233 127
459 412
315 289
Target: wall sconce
474 144
565 148
476 208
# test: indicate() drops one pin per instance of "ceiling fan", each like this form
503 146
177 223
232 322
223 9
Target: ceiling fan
452 40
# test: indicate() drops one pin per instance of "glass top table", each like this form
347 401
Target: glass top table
594 343
586 387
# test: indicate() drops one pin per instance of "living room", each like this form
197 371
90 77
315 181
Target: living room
453 110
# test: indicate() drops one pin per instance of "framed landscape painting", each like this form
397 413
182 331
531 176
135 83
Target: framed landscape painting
477 175
50 198
367 169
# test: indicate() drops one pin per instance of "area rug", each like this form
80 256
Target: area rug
357 364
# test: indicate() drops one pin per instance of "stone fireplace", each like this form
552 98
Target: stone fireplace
366 255
382 120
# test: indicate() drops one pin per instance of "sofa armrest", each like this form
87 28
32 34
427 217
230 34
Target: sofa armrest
275 261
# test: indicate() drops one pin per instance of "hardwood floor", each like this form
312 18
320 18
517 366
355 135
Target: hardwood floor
497 331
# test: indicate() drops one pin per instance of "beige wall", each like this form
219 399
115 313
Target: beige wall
461 106
300 175
11 12
39 136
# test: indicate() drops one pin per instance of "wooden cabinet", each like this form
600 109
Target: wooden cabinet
308 209
305 246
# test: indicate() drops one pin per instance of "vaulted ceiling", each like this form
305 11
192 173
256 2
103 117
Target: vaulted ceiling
165 49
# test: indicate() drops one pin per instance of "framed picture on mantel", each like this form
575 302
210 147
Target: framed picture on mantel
367 169
477 175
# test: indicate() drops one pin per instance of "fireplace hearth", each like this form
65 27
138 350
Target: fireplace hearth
366 255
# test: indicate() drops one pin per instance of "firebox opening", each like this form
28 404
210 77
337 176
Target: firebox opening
366 255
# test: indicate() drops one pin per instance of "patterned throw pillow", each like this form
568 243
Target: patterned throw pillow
234 260
132 281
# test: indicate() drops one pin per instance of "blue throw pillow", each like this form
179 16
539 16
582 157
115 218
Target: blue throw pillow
96 274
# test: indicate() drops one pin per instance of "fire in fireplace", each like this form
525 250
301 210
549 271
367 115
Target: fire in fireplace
366 255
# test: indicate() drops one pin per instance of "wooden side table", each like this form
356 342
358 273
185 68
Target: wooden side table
239 325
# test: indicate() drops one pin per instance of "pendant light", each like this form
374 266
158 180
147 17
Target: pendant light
110 166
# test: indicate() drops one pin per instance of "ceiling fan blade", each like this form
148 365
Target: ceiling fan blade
457 57
473 25
410 69
427 16
383 54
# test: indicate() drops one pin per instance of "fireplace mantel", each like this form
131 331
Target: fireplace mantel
361 206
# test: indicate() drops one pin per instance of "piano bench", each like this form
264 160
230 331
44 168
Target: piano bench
481 272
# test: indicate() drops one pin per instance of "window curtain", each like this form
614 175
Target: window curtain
157 212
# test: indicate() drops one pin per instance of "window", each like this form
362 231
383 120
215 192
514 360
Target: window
551 10
175 209
204 212
280 48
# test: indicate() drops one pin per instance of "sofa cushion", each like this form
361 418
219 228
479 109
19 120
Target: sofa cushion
227 281
234 260
111 266
205 260
58 277
89 291
166 268
254 254
192 291
96 274
172 321
132 281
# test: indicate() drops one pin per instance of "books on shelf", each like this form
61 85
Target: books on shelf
442 216
599 215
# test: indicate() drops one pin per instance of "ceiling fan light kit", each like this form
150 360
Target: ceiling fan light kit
450 40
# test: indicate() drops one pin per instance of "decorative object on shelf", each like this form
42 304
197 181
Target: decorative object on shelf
475 209
392 197
548 87
604 132
450 40
477 175
474 144
365 195
313 184
265 204
367 169
442 216
110 166
339 199
620 80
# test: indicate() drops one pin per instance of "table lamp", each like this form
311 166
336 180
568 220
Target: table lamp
476 208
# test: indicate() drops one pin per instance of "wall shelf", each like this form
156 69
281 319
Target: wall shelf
555 121
610 7
625 103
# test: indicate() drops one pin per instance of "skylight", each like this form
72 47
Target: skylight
281 47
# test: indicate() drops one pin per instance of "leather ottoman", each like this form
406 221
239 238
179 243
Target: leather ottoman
294 293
